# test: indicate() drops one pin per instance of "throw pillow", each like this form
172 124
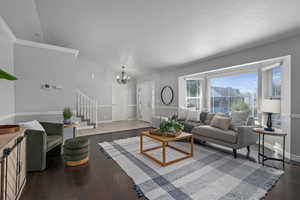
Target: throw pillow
182 113
209 117
193 116
203 116
221 122
34 125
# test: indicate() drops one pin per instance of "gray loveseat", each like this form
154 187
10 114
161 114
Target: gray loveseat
238 136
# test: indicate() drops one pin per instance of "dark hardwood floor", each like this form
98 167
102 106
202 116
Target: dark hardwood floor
103 179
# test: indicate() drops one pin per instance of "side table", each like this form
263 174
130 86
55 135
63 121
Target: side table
261 131
73 126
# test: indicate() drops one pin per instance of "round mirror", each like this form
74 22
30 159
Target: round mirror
167 95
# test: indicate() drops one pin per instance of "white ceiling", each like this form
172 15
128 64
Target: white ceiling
153 34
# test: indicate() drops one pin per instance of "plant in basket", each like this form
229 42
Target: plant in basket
171 128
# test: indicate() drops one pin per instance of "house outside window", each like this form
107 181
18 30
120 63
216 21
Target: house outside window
236 92
193 94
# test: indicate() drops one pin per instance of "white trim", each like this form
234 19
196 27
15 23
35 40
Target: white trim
105 106
290 156
75 52
4 26
278 150
166 107
39 113
105 121
271 66
295 116
5 117
131 105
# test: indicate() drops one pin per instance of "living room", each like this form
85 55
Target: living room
149 100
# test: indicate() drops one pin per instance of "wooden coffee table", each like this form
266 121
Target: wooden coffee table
165 143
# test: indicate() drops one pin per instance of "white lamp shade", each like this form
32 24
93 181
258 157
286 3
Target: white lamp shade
271 105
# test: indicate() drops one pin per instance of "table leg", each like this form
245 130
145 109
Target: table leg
258 148
164 153
141 143
263 149
283 151
74 132
192 146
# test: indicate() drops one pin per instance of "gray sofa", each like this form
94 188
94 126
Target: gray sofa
236 137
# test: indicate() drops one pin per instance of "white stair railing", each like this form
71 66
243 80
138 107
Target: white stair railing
87 108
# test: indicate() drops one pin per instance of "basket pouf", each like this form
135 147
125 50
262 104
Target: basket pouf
76 151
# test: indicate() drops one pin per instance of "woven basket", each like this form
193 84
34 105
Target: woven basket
165 134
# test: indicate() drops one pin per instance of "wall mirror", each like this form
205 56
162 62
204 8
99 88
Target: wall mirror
167 95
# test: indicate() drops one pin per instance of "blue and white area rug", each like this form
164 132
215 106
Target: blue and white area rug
209 175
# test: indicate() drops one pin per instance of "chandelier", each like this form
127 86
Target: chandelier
123 78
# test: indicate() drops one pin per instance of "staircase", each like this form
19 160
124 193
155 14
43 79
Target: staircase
86 110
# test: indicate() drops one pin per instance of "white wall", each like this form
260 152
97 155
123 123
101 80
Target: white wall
35 66
7 104
280 48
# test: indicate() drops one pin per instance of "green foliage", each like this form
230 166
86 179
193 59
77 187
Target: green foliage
67 113
7 76
171 126
240 106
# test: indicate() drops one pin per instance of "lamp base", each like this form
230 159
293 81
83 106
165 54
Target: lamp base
269 129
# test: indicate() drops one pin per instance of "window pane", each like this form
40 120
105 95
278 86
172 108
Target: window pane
238 92
193 94
276 81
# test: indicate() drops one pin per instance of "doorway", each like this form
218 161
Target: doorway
145 101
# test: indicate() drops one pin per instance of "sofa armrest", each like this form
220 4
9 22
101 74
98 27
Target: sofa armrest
36 150
246 136
53 128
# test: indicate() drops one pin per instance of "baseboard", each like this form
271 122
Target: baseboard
105 121
279 151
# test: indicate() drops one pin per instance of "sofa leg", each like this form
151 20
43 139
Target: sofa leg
248 149
234 153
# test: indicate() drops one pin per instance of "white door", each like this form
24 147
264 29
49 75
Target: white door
145 100
120 102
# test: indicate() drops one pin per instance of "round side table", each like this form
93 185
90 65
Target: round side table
261 131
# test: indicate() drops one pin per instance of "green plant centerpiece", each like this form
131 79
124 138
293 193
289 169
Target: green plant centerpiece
170 128
67 114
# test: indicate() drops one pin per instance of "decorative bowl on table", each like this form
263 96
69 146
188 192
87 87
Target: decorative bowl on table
7 129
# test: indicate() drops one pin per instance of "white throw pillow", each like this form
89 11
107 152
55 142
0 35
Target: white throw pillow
34 125
182 113
194 116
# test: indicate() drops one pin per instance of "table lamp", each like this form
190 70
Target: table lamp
270 106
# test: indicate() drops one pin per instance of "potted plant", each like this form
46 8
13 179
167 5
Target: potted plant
67 114
171 128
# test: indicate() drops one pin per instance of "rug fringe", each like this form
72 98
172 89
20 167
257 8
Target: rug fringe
139 192
105 153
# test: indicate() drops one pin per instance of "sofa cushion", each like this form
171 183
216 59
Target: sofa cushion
203 116
193 115
209 117
216 133
221 122
53 141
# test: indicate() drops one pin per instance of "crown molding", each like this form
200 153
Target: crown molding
28 43
6 30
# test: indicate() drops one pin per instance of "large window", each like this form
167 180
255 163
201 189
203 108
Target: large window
193 94
236 92
275 82
274 79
